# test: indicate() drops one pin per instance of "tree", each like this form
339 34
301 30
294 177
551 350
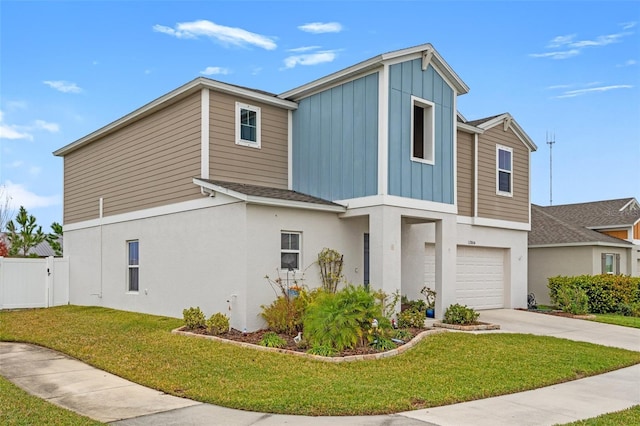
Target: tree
54 238
28 236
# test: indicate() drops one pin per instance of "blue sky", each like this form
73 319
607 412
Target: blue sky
570 68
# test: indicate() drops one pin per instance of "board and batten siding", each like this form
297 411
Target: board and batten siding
265 166
335 141
465 173
411 178
491 205
149 163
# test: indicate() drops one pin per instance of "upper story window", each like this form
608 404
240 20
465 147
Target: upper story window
247 125
422 130
504 171
133 266
290 250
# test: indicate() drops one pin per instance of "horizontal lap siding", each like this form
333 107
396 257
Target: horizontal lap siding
148 163
465 174
266 166
491 205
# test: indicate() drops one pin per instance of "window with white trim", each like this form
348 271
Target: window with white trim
504 170
422 130
290 250
133 266
247 125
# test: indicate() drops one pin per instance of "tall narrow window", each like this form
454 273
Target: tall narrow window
133 266
422 130
247 125
610 263
290 250
366 261
504 172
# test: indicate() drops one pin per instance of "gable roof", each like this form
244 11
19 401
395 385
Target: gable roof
265 195
370 64
599 214
550 230
175 95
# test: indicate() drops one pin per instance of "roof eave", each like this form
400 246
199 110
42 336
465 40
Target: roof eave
176 94
373 63
267 201
582 244
516 128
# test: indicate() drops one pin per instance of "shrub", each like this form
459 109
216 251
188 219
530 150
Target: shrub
218 323
383 344
629 309
402 335
272 340
572 299
461 315
411 318
330 262
321 350
194 318
604 292
341 320
285 314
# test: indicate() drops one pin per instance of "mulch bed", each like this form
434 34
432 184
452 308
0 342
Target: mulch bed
255 337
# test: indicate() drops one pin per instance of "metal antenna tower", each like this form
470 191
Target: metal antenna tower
551 139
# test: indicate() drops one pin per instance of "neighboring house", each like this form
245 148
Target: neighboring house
41 250
601 237
193 198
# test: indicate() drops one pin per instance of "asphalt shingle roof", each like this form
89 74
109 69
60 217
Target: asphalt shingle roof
482 120
269 192
547 229
597 213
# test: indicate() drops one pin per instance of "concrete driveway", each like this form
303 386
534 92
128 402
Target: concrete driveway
74 385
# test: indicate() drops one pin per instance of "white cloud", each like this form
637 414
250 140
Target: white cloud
14 105
35 170
556 55
215 71
559 86
63 86
628 25
628 63
572 47
226 35
580 92
303 49
321 27
15 164
21 196
310 59
49 127
12 132
256 70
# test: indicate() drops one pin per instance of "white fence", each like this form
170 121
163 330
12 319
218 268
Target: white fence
33 282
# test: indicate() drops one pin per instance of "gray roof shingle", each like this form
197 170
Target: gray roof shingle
548 229
269 192
597 213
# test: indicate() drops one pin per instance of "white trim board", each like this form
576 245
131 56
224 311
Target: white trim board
494 223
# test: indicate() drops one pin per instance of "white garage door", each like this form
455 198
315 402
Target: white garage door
479 275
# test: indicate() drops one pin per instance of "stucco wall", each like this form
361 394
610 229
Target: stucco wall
319 230
554 261
193 258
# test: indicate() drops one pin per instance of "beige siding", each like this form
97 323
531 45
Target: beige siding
148 163
266 166
491 205
465 173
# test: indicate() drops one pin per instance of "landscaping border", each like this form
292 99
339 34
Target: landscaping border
349 358
473 327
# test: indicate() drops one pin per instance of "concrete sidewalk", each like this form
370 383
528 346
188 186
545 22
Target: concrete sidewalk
108 398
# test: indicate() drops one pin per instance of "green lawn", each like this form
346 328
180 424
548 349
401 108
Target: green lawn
19 408
621 418
618 320
443 369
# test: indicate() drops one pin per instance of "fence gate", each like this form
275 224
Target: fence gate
33 282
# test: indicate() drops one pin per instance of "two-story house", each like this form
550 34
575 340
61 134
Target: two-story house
193 198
